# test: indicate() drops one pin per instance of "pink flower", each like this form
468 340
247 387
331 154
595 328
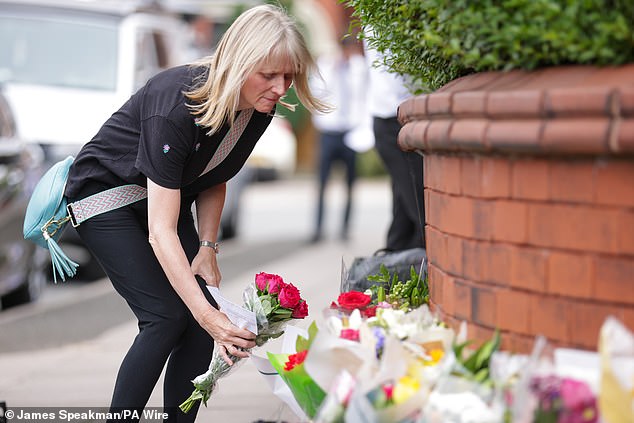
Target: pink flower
276 283
350 334
575 393
289 296
579 402
261 280
301 310
267 281
388 390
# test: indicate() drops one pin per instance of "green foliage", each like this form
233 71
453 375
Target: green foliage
435 41
475 366
404 295
301 343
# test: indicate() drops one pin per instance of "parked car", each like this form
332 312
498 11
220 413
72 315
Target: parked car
22 263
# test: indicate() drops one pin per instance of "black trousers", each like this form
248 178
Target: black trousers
168 333
406 173
332 148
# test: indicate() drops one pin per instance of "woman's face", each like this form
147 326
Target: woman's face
266 85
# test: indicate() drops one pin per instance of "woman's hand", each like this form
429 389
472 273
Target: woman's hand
205 265
228 337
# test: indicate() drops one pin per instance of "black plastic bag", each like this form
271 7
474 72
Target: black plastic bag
355 278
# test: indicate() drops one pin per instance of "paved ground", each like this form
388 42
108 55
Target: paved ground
81 372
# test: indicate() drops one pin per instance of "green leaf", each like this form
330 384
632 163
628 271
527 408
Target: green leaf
266 306
282 312
458 349
380 294
302 343
480 358
481 375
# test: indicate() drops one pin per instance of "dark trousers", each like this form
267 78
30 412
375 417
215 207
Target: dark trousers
332 149
168 332
406 173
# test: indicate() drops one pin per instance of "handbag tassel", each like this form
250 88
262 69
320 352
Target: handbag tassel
60 261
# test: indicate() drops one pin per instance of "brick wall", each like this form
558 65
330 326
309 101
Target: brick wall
529 199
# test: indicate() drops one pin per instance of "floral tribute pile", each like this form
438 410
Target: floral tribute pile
382 356
275 304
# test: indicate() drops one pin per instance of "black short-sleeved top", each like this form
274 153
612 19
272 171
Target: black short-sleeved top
153 135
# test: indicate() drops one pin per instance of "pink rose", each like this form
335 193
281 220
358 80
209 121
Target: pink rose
269 281
276 283
260 280
350 334
289 296
301 310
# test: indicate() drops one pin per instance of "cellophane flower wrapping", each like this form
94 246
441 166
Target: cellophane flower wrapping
307 393
270 327
616 354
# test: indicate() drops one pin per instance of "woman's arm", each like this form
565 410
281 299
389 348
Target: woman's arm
163 212
208 211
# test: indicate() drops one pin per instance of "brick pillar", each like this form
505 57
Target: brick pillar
529 196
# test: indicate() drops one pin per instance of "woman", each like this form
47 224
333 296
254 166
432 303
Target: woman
164 138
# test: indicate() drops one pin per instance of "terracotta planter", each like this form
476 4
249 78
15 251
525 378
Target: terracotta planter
529 199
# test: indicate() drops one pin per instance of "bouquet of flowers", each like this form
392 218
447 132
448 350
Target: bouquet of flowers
290 367
275 303
563 400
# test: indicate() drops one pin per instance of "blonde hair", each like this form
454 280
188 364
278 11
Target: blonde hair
259 34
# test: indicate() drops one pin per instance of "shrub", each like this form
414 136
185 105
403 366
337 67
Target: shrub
436 41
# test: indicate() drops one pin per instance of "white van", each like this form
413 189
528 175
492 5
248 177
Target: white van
67 65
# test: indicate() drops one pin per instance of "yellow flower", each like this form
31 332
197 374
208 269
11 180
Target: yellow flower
405 388
435 356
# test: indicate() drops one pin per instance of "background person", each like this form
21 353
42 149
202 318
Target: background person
164 138
386 92
343 84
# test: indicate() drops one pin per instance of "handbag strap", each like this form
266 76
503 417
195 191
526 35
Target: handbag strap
104 201
230 140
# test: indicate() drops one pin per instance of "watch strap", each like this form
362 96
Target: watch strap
213 245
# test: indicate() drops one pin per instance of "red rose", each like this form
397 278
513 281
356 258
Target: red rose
295 360
369 312
289 296
353 299
301 310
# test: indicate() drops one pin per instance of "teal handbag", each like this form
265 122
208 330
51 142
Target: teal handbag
47 216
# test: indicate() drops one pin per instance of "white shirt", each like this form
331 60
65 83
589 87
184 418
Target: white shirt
387 90
343 86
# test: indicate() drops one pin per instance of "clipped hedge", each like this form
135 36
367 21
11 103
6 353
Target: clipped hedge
436 41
